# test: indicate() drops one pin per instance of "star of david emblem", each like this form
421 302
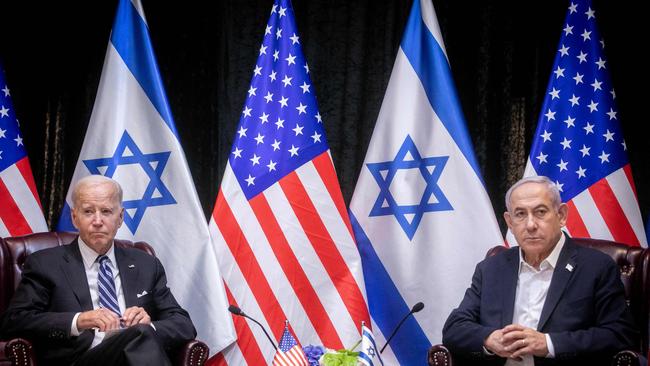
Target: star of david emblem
371 351
155 193
433 199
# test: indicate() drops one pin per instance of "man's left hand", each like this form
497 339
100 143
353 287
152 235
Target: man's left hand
135 315
522 341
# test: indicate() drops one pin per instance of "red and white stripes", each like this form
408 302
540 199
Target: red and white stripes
292 357
608 210
289 253
20 211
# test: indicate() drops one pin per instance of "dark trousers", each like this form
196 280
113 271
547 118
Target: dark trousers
136 345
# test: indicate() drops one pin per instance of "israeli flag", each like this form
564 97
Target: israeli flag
420 211
132 138
369 353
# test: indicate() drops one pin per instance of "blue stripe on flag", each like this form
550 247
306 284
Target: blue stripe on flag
430 64
368 360
65 221
387 303
130 38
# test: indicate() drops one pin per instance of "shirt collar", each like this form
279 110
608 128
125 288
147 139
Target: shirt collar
89 255
552 258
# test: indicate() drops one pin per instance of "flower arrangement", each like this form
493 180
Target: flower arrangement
342 357
313 353
320 356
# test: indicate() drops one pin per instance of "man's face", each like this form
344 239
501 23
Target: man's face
533 220
97 214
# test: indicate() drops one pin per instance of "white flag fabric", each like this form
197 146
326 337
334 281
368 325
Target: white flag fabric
132 138
20 207
420 211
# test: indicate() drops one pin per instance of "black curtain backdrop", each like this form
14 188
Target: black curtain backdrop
501 53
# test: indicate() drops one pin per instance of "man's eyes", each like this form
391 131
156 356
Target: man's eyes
104 212
541 213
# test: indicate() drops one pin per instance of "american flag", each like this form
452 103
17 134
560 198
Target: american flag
20 207
280 226
579 140
289 352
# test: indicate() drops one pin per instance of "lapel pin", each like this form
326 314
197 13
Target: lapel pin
569 267
131 265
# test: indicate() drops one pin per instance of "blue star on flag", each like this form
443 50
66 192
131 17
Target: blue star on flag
156 193
433 199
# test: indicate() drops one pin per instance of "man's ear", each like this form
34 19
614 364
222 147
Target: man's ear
121 217
563 212
506 216
73 217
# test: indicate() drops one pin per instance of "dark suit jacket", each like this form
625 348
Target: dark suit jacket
54 288
585 312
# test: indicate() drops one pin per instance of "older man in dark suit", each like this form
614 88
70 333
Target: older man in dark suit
547 301
91 303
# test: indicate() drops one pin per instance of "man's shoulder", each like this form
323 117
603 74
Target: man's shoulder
55 251
592 255
503 256
136 254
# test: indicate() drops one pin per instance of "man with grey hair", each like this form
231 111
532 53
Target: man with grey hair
547 301
93 303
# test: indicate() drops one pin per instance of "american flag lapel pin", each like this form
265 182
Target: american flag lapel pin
569 267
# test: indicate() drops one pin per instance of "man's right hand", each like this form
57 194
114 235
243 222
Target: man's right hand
494 343
102 319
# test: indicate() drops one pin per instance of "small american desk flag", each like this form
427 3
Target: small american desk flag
289 351
20 207
280 227
579 141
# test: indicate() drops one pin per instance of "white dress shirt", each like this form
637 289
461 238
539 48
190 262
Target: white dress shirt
91 265
532 288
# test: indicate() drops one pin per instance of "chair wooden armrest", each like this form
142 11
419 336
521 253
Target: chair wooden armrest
439 355
194 353
17 351
627 358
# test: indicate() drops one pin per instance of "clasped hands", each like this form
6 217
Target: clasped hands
515 341
104 320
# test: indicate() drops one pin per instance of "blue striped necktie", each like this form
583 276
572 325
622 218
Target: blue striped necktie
106 286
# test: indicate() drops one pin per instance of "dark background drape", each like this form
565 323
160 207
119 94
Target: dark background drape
501 53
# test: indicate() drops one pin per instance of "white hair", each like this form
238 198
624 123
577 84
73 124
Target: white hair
95 180
556 199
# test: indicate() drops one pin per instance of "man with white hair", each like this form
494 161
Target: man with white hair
547 301
92 303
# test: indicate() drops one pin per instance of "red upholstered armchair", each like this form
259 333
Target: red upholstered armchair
13 252
634 264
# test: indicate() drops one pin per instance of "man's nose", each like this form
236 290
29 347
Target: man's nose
531 222
97 219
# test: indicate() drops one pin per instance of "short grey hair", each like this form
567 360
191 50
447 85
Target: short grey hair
556 199
93 180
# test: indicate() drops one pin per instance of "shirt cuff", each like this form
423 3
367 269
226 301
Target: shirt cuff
549 345
487 352
74 332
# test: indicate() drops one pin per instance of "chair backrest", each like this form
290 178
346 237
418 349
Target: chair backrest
634 265
14 251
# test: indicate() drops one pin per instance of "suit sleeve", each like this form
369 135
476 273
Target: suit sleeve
173 324
613 328
463 333
28 313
